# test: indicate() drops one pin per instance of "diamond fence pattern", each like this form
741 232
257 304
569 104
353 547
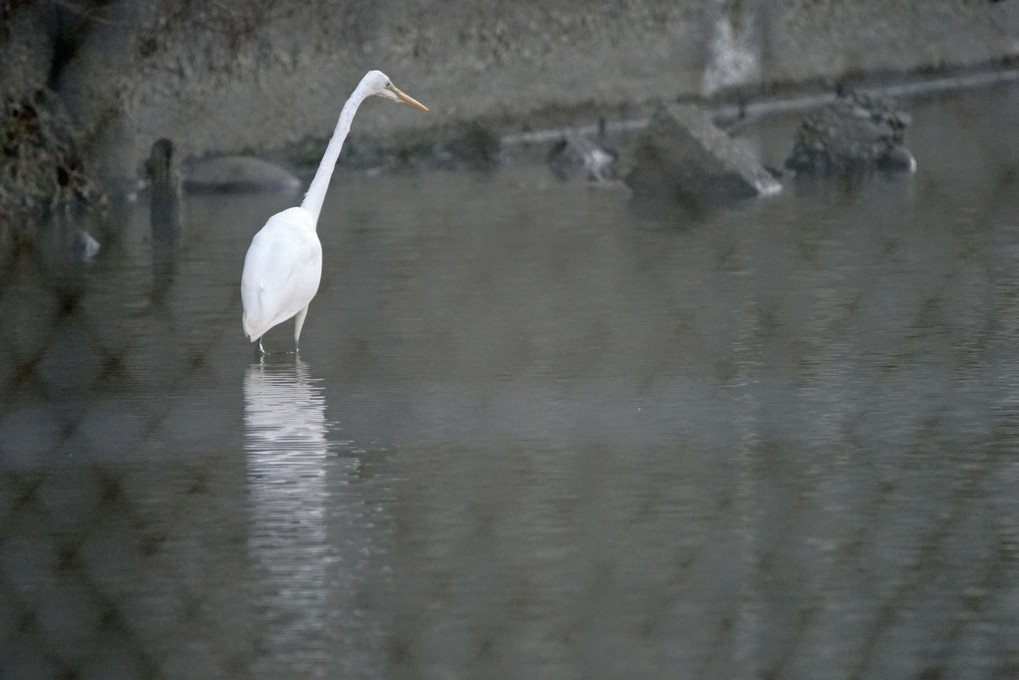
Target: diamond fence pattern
729 509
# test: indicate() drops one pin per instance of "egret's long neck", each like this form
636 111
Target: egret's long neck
317 191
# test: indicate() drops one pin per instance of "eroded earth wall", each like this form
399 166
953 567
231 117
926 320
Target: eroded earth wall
262 74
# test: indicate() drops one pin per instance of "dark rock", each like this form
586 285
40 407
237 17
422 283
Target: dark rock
682 154
238 174
856 133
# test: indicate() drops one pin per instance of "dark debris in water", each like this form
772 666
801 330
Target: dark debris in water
574 154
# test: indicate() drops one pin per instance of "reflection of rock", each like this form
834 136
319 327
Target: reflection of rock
857 132
682 154
239 174
575 154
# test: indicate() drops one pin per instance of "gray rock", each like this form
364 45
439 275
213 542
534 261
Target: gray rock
238 174
856 133
682 154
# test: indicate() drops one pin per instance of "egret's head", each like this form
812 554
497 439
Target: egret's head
379 84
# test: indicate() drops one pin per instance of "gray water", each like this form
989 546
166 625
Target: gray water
535 431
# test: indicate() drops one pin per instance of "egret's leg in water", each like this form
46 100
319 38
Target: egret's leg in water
298 324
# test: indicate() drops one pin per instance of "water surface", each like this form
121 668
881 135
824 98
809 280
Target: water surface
534 431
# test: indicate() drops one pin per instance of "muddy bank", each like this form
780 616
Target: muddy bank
263 76
42 168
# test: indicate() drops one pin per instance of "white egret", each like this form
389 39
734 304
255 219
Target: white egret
283 266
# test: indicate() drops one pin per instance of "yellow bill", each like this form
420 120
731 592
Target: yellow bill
406 98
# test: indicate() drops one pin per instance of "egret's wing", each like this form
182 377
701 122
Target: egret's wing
282 271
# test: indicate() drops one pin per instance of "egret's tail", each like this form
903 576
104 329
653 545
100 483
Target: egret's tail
251 329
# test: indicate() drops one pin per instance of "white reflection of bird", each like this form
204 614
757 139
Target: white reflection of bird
284 262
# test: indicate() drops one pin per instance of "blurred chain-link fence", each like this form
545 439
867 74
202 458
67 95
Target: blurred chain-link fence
538 434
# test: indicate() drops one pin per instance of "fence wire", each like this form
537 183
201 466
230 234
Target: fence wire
798 460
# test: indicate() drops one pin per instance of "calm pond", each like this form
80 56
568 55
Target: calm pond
535 431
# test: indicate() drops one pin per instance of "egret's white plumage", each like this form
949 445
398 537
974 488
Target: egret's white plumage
283 266
281 272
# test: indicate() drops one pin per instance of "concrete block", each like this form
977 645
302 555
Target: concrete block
682 154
